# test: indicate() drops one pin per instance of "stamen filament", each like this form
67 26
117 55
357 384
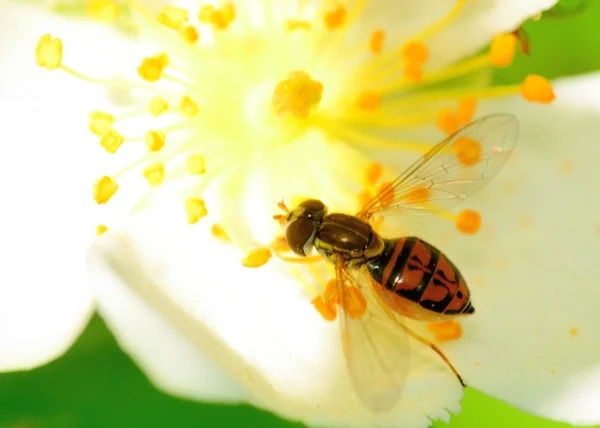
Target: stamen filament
82 76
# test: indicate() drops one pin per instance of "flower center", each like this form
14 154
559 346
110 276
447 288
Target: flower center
226 82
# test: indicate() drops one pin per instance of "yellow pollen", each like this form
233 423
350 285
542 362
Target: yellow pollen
573 331
172 17
111 141
415 52
368 100
466 109
103 10
445 331
152 68
220 18
257 257
196 164
412 72
373 173
196 209
418 195
335 17
296 95
155 140
188 107
376 42
155 174
537 89
189 34
104 189
467 150
100 123
157 106
502 50
295 24
101 229
48 53
330 293
364 196
386 198
447 122
219 233
354 302
326 309
468 221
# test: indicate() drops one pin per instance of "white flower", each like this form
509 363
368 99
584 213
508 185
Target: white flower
294 100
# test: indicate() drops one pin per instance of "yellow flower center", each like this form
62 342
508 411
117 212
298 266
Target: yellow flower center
224 83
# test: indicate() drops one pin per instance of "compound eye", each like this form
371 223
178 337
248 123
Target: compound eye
299 235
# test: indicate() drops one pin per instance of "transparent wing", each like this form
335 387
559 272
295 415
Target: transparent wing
451 171
375 345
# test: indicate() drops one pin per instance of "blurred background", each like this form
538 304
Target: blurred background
96 385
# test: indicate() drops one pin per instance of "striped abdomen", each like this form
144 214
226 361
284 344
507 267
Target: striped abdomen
414 270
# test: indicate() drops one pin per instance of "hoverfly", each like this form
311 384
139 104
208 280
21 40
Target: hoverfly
403 276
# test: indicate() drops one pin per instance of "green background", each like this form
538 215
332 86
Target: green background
95 385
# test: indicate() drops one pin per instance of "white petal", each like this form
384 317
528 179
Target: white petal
474 27
532 269
196 320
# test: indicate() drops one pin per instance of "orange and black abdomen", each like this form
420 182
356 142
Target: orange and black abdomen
415 270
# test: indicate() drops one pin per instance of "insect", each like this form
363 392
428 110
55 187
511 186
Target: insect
403 276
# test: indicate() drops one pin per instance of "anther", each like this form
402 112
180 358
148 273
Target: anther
100 123
335 17
537 89
104 189
297 94
467 150
354 302
376 41
172 17
101 229
155 174
502 49
295 24
373 173
466 109
468 221
111 141
188 107
219 233
447 122
196 165
219 18
445 331
48 53
103 10
189 34
327 310
157 106
152 68
368 100
386 194
155 140
415 52
257 257
196 209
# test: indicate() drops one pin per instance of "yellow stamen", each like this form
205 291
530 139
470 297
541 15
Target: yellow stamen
330 293
335 17
196 164
386 195
466 109
296 95
188 107
502 49
157 106
354 302
155 174
364 196
368 100
196 209
468 221
447 122
189 34
219 18
172 17
376 42
100 123
257 257
155 140
104 189
420 194
467 150
152 68
373 173
103 10
537 89
111 141
101 229
415 52
295 24
219 233
445 331
48 53
327 310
